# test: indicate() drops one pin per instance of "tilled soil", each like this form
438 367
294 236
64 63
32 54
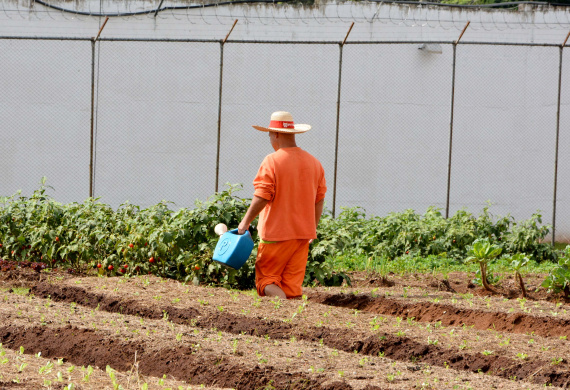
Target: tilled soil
23 371
449 315
88 347
393 347
329 341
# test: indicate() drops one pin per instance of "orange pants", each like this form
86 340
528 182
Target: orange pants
282 263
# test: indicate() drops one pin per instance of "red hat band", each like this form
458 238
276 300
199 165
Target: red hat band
281 124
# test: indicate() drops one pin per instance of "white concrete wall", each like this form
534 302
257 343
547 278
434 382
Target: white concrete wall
157 104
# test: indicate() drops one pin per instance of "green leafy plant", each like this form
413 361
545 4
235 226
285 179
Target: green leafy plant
131 241
518 261
481 252
558 280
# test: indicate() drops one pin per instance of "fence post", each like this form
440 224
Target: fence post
93 41
561 51
92 115
341 45
222 43
451 121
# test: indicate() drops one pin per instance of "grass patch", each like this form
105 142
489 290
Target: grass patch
430 264
21 290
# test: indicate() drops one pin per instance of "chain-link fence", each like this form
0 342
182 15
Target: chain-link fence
397 125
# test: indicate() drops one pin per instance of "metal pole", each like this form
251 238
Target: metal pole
451 121
219 113
222 43
158 8
92 115
341 44
93 41
450 132
557 139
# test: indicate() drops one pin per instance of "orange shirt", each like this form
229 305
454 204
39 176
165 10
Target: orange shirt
293 181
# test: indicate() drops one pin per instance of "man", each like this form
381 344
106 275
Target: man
289 194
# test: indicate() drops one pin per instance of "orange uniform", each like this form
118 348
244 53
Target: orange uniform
293 181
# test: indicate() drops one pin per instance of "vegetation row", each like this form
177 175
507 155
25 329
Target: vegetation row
179 244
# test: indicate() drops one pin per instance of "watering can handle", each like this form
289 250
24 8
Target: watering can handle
235 231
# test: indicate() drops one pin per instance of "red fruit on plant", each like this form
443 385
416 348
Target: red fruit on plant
12 252
151 260
137 268
407 252
29 247
0 245
122 270
131 245
110 268
126 266
57 239
197 268
454 241
99 265
146 243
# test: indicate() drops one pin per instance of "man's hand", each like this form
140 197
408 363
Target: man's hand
242 227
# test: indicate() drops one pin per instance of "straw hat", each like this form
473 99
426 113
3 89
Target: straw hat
282 122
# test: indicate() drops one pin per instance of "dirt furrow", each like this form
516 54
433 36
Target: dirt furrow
448 315
87 347
390 346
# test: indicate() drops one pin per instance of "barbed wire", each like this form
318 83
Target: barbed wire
250 12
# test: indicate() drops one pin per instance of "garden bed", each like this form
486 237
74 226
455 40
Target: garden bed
363 337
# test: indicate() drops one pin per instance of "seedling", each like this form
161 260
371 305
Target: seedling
87 375
432 342
556 361
276 303
505 342
481 252
363 361
519 260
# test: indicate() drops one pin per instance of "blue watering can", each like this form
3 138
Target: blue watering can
233 249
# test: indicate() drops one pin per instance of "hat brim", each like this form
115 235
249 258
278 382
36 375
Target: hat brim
300 128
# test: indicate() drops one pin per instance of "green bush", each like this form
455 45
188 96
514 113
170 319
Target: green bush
409 233
156 240
558 280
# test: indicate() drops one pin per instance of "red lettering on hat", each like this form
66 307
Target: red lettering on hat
282 124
